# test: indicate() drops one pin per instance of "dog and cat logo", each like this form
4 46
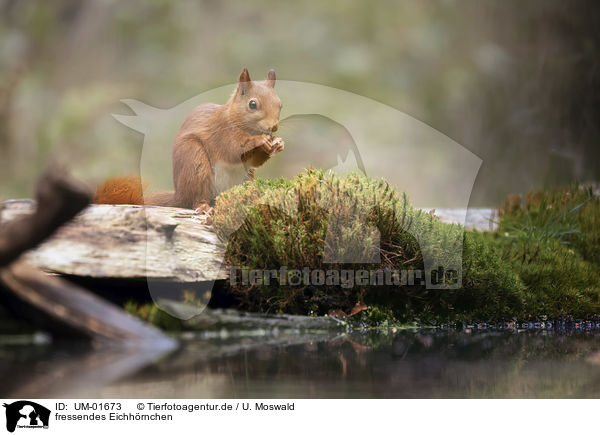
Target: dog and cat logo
25 414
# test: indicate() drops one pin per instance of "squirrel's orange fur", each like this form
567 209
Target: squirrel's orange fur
120 190
216 146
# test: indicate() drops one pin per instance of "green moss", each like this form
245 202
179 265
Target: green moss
269 225
588 240
552 242
376 317
491 290
154 315
559 281
542 262
570 216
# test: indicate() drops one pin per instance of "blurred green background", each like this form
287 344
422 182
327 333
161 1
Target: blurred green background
515 82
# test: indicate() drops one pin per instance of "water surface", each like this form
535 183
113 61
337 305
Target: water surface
419 363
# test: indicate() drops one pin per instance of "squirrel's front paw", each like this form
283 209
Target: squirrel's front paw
205 213
266 144
204 209
277 145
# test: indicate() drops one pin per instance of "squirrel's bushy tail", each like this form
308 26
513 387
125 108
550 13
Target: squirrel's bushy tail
130 190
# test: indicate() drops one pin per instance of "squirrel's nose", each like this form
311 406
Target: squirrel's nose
274 128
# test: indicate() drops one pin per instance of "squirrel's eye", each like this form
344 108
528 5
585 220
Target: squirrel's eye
252 104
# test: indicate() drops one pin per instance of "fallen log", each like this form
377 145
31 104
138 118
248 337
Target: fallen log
128 242
135 242
78 312
61 307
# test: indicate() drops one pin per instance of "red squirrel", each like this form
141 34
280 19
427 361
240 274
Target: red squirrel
217 147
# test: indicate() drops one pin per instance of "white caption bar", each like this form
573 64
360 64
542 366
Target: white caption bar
248 416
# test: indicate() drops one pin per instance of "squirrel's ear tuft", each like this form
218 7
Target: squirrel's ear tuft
244 81
244 76
271 77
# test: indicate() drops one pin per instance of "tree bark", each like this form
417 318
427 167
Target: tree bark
122 241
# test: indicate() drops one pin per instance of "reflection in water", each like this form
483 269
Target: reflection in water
414 363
